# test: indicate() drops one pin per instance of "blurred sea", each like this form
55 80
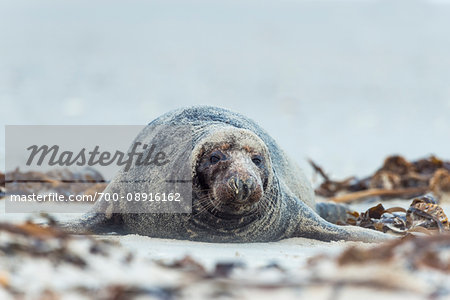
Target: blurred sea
342 82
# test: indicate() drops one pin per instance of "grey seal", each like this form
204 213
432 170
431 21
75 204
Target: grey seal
244 188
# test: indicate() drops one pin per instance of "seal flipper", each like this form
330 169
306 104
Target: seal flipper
333 212
311 225
94 223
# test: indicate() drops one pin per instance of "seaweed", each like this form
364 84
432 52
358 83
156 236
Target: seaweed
423 215
63 181
2 185
396 178
417 251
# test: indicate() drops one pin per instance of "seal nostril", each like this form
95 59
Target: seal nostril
232 183
239 184
240 189
245 191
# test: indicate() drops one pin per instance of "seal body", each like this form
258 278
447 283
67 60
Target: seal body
244 189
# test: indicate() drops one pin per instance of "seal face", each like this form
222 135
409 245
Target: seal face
232 178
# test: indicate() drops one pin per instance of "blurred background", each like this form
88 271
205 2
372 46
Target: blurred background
342 82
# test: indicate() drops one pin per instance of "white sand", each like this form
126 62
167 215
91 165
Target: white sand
299 278
289 253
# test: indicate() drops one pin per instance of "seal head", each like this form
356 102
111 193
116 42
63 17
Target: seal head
233 170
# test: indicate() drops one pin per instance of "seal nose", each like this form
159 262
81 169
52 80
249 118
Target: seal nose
240 189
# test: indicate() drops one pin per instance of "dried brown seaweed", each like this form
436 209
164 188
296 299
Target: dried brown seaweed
224 269
4 279
440 185
423 215
33 244
425 212
384 193
35 231
329 187
62 181
397 178
2 185
126 292
417 251
187 263
51 242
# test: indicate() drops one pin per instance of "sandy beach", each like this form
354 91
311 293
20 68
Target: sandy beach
345 83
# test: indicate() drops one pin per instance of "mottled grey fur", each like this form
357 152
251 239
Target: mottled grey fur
291 209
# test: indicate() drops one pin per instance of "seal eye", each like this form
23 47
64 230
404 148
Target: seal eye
257 160
214 158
